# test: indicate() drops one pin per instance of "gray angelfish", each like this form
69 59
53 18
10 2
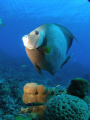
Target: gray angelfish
47 46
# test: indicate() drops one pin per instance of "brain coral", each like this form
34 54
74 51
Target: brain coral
66 107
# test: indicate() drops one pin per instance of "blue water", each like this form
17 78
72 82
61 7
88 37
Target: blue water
21 17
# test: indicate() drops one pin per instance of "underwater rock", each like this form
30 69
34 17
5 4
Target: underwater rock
78 87
66 107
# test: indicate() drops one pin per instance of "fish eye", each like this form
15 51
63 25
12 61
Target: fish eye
36 32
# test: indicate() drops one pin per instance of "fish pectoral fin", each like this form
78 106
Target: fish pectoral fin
46 50
66 60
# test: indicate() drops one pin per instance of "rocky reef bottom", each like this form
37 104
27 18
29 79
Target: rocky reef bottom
65 98
50 103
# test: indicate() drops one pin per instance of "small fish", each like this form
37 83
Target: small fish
57 85
23 65
1 23
36 104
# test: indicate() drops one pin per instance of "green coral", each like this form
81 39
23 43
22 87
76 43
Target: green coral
78 87
22 118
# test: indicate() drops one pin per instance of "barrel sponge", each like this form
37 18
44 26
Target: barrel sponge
66 107
34 92
30 88
78 87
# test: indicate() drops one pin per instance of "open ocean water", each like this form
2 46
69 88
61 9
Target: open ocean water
20 18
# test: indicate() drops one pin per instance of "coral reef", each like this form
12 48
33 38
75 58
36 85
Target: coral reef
78 87
13 77
10 97
66 107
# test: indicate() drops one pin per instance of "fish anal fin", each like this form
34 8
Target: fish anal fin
66 60
39 71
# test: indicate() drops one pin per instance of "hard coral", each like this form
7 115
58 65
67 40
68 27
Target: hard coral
78 87
66 107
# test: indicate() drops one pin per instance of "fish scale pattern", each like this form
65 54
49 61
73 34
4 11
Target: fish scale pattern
66 107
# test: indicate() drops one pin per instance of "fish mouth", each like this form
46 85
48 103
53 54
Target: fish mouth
26 42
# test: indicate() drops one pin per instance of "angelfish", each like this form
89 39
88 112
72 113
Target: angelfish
47 46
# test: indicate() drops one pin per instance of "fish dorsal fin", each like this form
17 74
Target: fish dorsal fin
68 35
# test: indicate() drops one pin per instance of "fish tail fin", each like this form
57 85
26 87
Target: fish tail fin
68 33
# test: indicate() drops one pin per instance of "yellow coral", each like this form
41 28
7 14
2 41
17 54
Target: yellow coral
34 92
